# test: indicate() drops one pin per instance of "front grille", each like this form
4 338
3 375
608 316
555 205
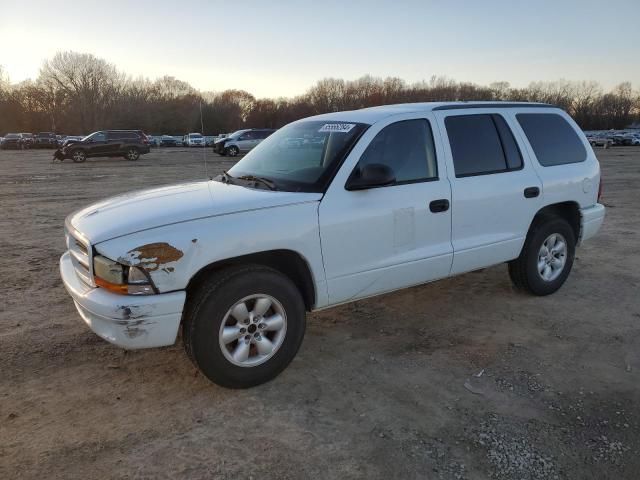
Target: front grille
81 258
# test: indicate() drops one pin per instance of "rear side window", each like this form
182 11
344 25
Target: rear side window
482 144
407 148
553 140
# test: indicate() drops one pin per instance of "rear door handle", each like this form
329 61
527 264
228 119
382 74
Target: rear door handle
531 192
437 206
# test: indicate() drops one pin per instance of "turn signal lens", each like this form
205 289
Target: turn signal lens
113 287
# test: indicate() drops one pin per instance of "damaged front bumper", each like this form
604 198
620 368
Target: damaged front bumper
128 321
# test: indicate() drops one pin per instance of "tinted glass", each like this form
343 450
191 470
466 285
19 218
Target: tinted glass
553 140
509 145
475 145
407 148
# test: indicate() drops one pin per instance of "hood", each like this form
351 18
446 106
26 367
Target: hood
142 210
71 142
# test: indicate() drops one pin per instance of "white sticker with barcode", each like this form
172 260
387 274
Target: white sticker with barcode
337 127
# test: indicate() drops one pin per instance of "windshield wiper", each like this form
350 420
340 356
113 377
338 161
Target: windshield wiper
265 181
227 178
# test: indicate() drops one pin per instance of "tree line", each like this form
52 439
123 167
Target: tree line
78 93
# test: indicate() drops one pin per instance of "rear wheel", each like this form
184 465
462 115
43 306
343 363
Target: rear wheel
546 258
79 156
244 326
132 154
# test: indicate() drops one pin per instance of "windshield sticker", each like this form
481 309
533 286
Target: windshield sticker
337 127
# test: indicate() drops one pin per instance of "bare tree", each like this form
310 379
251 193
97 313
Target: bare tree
79 93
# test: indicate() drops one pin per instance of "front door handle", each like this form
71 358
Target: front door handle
441 205
531 192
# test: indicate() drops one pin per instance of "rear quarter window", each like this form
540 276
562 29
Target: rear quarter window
553 139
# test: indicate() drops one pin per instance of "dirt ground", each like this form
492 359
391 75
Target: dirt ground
460 379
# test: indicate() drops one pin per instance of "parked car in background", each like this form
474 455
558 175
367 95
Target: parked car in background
241 141
45 140
129 144
168 141
598 141
27 140
12 141
387 198
193 140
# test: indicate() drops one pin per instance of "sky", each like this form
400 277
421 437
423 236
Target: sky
281 48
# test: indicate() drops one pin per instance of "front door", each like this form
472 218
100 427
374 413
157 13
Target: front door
385 238
97 144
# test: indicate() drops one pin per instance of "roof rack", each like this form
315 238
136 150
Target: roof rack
460 106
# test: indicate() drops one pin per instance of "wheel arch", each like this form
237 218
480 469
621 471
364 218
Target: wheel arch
569 211
288 262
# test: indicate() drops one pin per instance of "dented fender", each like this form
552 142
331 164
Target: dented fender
173 254
159 259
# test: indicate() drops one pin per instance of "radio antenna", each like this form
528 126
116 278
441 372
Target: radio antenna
204 147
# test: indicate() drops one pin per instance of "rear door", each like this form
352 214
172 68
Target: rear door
114 142
385 238
247 141
495 189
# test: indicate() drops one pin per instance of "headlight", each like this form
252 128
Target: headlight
119 278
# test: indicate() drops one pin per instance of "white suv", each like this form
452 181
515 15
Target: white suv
328 210
194 140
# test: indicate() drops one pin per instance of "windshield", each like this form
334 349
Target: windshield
195 135
12 135
302 156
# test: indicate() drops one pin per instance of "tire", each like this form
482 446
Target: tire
527 272
132 154
78 156
208 311
232 151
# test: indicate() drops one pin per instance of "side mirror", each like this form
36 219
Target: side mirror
371 176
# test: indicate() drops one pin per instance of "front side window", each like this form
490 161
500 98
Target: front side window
407 148
96 137
553 140
482 144
302 156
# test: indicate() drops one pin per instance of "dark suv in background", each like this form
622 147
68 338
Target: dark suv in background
27 140
129 144
11 140
45 140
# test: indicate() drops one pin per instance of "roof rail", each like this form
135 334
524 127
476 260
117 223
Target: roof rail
460 106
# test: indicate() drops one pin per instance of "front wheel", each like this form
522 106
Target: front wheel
79 156
546 258
244 326
232 151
